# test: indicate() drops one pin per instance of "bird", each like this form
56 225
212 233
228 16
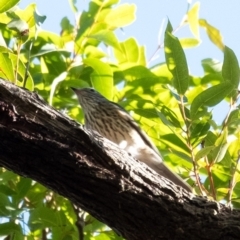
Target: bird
114 123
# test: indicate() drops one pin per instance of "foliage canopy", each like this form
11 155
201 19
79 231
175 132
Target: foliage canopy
173 107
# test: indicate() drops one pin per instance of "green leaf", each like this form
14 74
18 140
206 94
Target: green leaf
129 52
55 82
193 19
199 132
6 67
162 71
7 190
221 147
9 228
87 20
142 58
44 216
94 52
168 118
173 141
108 37
3 43
55 62
6 206
204 152
138 72
210 97
109 3
73 6
212 78
213 33
121 16
176 61
234 118
39 19
7 4
230 69
210 139
5 201
23 187
189 42
27 15
211 65
102 77
21 71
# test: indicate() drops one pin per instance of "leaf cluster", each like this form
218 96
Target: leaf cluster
173 107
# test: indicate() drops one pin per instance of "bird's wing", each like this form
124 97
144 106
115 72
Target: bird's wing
135 126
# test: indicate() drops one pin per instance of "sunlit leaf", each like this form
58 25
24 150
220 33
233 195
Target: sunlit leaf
189 42
73 6
55 82
193 19
6 67
211 65
121 16
173 141
204 152
138 72
102 77
44 216
107 37
94 52
234 118
213 33
230 69
39 19
130 54
199 131
7 4
176 61
210 97
23 187
21 72
212 78
87 20
9 228
109 3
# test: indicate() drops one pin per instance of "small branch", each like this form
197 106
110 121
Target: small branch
80 220
190 147
28 63
232 182
211 180
19 44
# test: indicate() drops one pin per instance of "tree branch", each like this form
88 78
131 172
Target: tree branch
41 143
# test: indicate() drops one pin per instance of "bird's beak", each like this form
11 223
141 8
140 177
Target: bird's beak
74 89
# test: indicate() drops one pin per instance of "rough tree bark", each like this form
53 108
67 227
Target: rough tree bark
39 142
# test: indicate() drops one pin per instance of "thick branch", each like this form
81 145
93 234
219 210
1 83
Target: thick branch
41 143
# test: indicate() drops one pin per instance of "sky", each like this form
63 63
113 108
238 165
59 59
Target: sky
222 14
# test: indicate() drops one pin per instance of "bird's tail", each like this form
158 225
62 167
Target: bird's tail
164 171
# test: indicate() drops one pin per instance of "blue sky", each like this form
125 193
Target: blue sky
222 14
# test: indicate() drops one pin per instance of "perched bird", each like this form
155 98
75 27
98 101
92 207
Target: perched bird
114 123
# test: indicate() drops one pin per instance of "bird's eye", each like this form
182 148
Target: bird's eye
92 90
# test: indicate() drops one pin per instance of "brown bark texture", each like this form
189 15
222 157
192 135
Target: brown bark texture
41 143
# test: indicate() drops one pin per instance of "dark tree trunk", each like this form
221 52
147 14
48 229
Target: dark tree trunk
41 143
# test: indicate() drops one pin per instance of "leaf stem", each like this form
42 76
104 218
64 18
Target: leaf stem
211 179
232 182
19 45
27 65
190 147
